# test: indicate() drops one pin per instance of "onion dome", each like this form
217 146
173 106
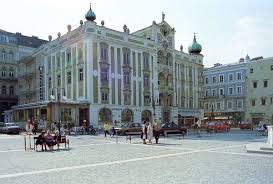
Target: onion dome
90 15
194 47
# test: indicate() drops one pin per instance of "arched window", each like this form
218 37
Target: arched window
3 72
3 55
4 90
11 73
169 59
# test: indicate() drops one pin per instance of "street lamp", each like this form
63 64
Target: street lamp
58 100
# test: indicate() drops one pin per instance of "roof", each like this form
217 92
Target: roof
28 41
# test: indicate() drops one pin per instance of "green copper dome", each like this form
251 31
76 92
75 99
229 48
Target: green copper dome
194 47
90 15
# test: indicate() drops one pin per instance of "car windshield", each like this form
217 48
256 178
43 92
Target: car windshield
211 123
125 125
10 124
245 122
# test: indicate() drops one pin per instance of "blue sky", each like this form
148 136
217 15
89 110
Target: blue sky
227 30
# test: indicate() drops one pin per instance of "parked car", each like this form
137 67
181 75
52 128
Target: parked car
8 128
172 128
129 128
217 126
246 125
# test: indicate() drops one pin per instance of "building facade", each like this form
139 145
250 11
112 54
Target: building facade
259 85
100 74
13 47
225 91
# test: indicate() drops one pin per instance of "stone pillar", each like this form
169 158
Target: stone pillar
270 135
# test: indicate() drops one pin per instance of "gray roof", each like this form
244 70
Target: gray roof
18 38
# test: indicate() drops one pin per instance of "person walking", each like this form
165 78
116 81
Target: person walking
144 132
150 133
156 129
106 129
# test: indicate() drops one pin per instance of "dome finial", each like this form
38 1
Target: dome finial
194 47
90 15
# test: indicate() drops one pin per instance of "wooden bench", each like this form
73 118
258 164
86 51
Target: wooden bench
64 140
129 135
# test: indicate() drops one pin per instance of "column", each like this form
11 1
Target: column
99 80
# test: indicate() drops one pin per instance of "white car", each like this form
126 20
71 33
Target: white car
9 128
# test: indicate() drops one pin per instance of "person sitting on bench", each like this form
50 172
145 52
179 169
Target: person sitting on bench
49 139
57 137
41 140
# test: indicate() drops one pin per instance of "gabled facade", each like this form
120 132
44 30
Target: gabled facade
99 74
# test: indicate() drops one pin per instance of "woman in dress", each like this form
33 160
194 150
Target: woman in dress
49 139
150 133
144 132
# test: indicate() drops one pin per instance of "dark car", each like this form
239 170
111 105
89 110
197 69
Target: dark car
246 125
129 128
9 128
172 128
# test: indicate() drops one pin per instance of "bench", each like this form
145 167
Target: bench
64 140
129 135
166 132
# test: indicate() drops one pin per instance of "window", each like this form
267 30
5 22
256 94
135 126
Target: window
11 90
81 74
104 97
207 80
126 59
239 90
214 92
271 67
49 64
68 58
213 79
239 76
206 106
3 55
221 78
251 70
230 91
146 62
3 72
230 104
49 82
69 77
265 84
103 53
218 105
11 73
255 84
4 90
253 102
239 104
207 92
221 91
263 100
58 80
146 80
230 77
126 78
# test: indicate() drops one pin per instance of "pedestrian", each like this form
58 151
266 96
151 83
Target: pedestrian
106 129
113 131
156 129
144 132
35 129
150 133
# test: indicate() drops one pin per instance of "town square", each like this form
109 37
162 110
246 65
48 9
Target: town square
136 92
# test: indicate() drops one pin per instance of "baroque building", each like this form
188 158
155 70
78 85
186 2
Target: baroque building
225 91
259 86
13 47
100 74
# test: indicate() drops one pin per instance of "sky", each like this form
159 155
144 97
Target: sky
227 29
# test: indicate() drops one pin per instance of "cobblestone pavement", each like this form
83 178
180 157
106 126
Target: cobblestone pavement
219 158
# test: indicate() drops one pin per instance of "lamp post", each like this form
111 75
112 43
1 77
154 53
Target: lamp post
58 101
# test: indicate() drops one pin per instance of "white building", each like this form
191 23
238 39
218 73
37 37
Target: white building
108 75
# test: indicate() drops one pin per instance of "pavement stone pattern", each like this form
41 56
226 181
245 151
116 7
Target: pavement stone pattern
219 158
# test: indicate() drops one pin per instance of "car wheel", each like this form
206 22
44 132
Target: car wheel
125 132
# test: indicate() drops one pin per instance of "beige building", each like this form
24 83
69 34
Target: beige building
100 74
259 86
13 47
